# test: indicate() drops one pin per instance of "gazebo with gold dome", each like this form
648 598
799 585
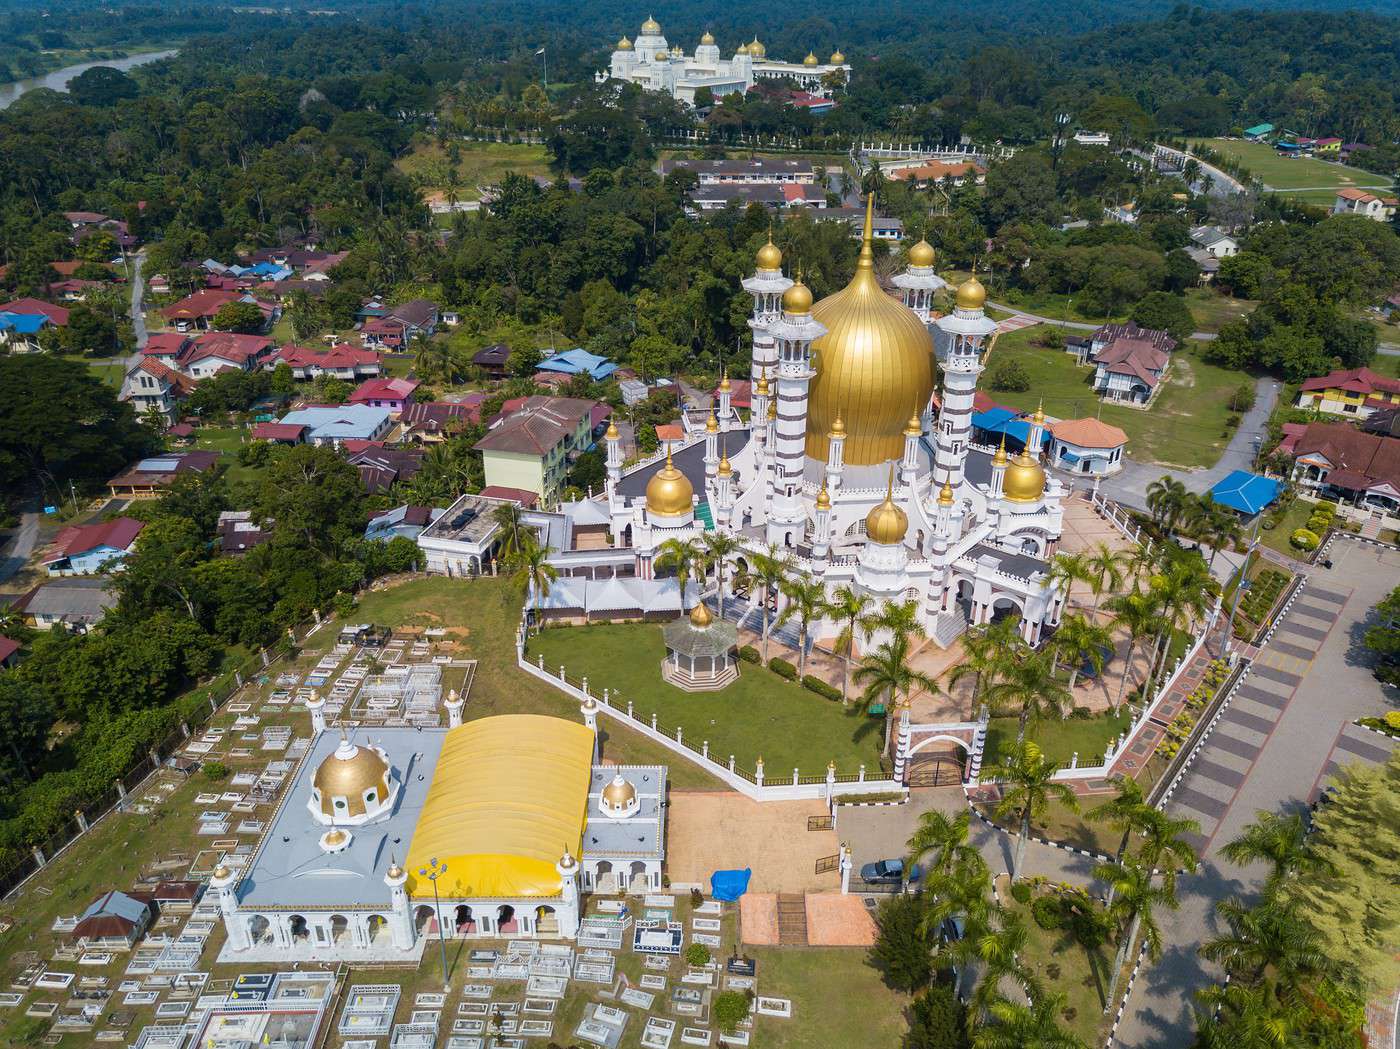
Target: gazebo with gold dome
700 651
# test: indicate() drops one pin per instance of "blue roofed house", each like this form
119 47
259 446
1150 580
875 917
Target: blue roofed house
1244 492
336 424
407 521
19 332
578 361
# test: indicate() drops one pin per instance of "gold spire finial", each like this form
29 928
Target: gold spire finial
1000 458
724 386
867 235
668 455
945 494
712 424
889 487
823 497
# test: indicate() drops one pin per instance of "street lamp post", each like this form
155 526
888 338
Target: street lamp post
432 871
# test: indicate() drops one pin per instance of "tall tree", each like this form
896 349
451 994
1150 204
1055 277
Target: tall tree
806 601
989 651
1029 686
1028 787
680 556
770 569
1135 899
1277 839
851 608
1032 1026
1079 641
533 572
885 676
719 548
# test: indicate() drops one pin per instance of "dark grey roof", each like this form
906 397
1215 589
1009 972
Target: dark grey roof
1022 566
690 461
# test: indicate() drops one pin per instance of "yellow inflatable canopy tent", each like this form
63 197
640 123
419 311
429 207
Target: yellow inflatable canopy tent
509 794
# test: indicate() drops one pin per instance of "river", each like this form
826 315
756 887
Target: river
58 79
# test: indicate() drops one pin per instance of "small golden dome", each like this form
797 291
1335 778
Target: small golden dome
971 295
707 39
651 26
1024 481
756 49
624 44
769 257
350 773
725 469
810 60
724 386
773 408
1038 419
742 50
1000 458
921 254
838 428
712 424
945 495
661 55
762 388
394 871
700 616
612 434
837 58
222 872
620 794
669 492
797 300
887 524
914 428
823 498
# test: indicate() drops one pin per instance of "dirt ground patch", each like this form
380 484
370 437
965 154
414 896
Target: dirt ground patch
834 920
758 918
724 830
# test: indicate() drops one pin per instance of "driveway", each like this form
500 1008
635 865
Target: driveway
1288 728
20 545
138 316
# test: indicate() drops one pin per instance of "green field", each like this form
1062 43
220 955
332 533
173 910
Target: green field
758 715
481 164
1061 738
1184 427
1315 181
1211 310
110 372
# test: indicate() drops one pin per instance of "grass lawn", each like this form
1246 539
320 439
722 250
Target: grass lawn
484 613
1055 305
758 715
838 1000
1059 738
481 164
1321 178
1184 427
1295 517
1212 310
225 439
1065 967
282 332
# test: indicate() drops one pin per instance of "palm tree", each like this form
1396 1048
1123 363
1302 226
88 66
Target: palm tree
1078 639
681 556
1105 566
533 570
999 945
988 651
1181 594
1165 847
719 547
507 517
964 893
943 837
1137 614
1135 897
885 675
850 607
1033 1026
806 599
1278 840
900 618
1267 945
769 569
1028 788
1068 569
1029 685
1128 812
1166 501
1225 530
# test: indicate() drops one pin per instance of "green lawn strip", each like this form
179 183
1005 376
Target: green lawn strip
1212 310
1294 517
1057 305
1058 738
1289 173
838 1000
488 610
225 439
758 715
1065 967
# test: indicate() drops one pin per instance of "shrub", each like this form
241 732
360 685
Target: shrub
730 1008
782 668
697 954
1242 398
748 654
215 770
1081 714
1392 718
820 687
1303 539
696 897
938 1020
1047 912
903 951
1021 892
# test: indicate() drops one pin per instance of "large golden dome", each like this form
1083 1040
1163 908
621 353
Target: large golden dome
875 360
1024 481
810 60
651 27
707 39
669 492
349 773
887 523
837 58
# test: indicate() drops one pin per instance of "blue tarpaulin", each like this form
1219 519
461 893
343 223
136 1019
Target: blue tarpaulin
730 885
1004 421
1246 492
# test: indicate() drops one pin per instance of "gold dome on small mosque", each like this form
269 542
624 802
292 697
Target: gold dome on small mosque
810 60
1025 480
770 256
921 254
971 295
624 44
707 39
887 524
669 492
350 773
837 58
797 300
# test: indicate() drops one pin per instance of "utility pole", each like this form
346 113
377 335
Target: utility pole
1240 588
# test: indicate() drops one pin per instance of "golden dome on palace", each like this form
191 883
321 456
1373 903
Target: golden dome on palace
669 492
349 773
769 257
971 295
700 616
707 39
1025 480
651 26
875 360
887 524
921 254
712 424
797 300
810 60
837 58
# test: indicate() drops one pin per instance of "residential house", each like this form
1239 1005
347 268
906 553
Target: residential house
341 361
381 467
336 424
19 332
393 329
1125 214
432 422
152 386
239 533
98 547
217 351
145 479
402 521
1384 422
86 223
883 227
716 196
1215 241
1361 202
493 360
9 651
168 347
1352 391
531 449
1259 132
1327 148
744 171
196 311
1087 446
394 394
114 921
280 433
57 315
579 361
77 603
1092 138
1129 370
944 172
1206 263
1339 461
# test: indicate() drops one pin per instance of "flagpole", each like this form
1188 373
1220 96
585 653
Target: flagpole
539 53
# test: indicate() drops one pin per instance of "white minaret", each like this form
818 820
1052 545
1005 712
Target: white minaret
566 914
835 453
454 706
724 406
724 492
967 326
316 706
711 449
613 442
758 413
1035 439
909 465
401 916
938 598
794 332
918 282
589 709
767 286
224 884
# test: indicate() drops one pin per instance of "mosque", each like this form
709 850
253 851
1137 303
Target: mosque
848 464
654 65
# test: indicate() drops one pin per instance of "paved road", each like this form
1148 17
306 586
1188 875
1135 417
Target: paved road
138 316
1203 336
20 545
1286 730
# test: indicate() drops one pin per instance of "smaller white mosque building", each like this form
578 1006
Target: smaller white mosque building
491 828
653 64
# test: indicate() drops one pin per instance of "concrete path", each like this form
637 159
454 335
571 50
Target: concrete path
138 316
1283 734
1203 336
20 545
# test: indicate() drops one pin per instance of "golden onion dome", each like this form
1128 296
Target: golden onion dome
669 492
945 495
875 360
651 26
624 44
823 498
756 49
724 386
769 257
612 434
1025 480
619 794
661 55
395 871
837 58
349 773
707 39
971 295
700 616
921 254
838 428
1000 458
887 524
742 50
810 60
712 424
762 388
797 300
222 872
725 469
914 428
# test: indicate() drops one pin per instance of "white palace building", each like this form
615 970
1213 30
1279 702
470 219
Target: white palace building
656 66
